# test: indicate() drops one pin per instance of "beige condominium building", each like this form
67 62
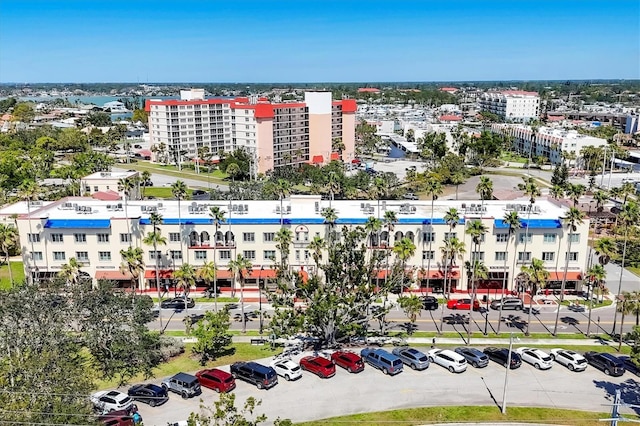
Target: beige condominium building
94 232
512 105
275 134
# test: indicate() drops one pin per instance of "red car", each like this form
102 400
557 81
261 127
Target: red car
348 360
319 366
463 304
117 418
218 380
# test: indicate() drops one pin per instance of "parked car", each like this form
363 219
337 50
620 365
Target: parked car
570 359
429 303
539 359
508 303
177 303
117 418
452 361
320 366
261 376
216 379
186 385
475 357
412 357
149 394
194 318
607 363
629 365
501 356
146 183
348 360
106 401
410 196
382 360
287 369
463 304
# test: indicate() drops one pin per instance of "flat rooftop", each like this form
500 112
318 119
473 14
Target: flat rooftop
109 175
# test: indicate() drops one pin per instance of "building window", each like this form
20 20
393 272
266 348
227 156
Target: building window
550 238
477 256
95 189
573 256
450 235
427 255
225 254
522 237
524 256
297 254
37 255
34 238
176 255
574 238
80 238
249 254
502 238
302 236
248 237
501 256
548 256
174 237
82 256
103 238
57 238
104 256
269 255
268 237
125 238
153 255
201 255
58 255
429 237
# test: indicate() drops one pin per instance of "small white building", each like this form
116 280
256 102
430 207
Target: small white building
100 183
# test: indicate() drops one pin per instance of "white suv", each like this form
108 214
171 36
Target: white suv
287 369
539 359
450 360
570 359
107 401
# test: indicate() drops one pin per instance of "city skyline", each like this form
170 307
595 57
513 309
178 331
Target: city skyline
317 41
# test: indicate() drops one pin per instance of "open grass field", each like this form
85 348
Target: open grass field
634 270
18 274
216 176
161 192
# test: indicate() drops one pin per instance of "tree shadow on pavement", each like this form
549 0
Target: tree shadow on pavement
629 392
572 322
514 321
455 320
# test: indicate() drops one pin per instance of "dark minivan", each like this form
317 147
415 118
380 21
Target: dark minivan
257 374
382 360
607 363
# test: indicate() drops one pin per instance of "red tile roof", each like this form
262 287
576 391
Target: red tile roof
368 90
108 195
450 118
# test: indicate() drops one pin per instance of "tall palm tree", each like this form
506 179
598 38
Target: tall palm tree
373 227
317 245
635 305
179 192
389 221
30 191
282 189
452 249
125 185
132 261
217 217
530 188
512 220
606 249
476 230
283 238
485 189
8 240
155 239
451 218
433 188
404 250
186 278
334 186
378 190
573 218
208 273
477 270
596 275
70 272
145 177
624 307
557 192
330 217
236 267
457 179
575 192
537 277
601 197
629 216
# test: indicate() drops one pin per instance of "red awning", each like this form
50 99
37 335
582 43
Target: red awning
559 276
151 274
437 274
317 159
335 156
113 275
224 274
257 273
381 275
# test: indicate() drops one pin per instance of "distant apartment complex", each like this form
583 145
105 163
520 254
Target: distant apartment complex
514 105
276 134
547 142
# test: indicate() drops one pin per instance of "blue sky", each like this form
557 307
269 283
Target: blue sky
310 41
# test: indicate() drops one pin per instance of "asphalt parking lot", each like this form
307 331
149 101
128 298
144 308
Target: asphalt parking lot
312 398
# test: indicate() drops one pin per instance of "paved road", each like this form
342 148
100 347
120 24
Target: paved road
166 180
312 398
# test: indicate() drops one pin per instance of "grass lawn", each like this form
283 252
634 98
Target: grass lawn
487 414
634 270
216 176
478 335
512 157
586 304
18 274
189 363
160 192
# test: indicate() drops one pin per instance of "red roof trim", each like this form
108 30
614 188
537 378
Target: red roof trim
317 159
348 105
335 156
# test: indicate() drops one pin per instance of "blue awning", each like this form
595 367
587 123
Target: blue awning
531 223
78 224
183 221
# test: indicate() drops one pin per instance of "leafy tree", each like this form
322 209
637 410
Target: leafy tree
23 112
140 115
213 335
8 241
412 306
99 119
225 413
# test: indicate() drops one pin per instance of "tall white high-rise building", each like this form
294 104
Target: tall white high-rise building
513 105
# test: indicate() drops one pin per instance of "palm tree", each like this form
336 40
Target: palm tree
476 230
373 227
236 267
333 185
29 191
70 272
433 189
146 177
8 240
186 278
377 191
125 186
283 238
208 273
282 189
573 218
156 239
575 192
404 250
412 306
557 192
600 197
596 276
316 245
451 218
606 249
512 220
531 190
389 221
132 261
330 218
635 305
217 216
485 189
625 307
179 192
537 276
629 216
452 249
457 179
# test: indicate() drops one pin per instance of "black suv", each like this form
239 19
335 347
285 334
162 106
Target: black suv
150 394
608 363
500 355
429 303
257 374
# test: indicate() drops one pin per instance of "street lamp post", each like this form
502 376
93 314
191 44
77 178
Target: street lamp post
506 376
260 296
